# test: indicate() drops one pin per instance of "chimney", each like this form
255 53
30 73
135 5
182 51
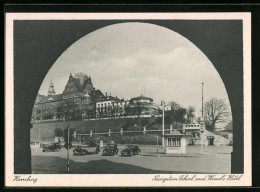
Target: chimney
106 94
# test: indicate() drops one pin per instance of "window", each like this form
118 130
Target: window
174 142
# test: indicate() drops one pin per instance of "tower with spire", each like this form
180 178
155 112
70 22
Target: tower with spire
51 90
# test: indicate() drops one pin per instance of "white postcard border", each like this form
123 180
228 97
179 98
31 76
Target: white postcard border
121 180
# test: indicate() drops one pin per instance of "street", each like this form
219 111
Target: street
217 160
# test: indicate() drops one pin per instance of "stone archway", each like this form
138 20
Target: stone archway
37 45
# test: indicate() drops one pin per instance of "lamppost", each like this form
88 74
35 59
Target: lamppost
202 99
68 151
163 106
68 142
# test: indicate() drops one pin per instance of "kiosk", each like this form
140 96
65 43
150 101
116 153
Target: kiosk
175 143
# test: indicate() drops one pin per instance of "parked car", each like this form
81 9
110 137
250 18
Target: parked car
110 149
83 151
90 144
51 147
80 152
97 149
131 150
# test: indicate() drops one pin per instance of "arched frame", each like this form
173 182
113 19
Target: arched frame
38 44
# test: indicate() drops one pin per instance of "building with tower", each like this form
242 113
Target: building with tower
80 101
51 90
77 101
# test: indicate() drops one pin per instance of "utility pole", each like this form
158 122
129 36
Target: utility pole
68 151
163 124
157 144
202 134
202 99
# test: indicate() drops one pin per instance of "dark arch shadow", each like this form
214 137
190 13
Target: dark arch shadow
37 45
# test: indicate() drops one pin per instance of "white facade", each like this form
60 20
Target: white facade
107 105
191 126
175 143
104 103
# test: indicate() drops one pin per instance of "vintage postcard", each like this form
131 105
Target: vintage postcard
127 99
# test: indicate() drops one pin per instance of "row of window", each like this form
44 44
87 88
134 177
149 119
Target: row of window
174 142
192 125
109 104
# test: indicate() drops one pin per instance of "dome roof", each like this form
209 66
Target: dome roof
141 97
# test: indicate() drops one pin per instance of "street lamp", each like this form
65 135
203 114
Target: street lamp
163 106
202 98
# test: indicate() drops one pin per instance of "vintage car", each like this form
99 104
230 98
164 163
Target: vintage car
80 151
131 150
51 147
90 144
110 149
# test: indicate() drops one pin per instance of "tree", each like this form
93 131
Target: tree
116 110
180 115
176 114
99 112
174 105
139 108
215 111
126 112
109 111
105 111
190 114
69 110
112 111
48 115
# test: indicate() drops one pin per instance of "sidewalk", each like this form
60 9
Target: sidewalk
191 151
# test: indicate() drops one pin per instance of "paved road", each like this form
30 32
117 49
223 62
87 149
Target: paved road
218 160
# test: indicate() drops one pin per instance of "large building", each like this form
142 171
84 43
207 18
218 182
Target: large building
77 101
80 100
111 107
142 105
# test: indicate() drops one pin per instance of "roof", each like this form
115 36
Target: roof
77 82
142 97
174 133
108 98
50 98
39 97
98 92
224 131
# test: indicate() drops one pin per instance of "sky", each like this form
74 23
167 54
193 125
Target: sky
133 59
